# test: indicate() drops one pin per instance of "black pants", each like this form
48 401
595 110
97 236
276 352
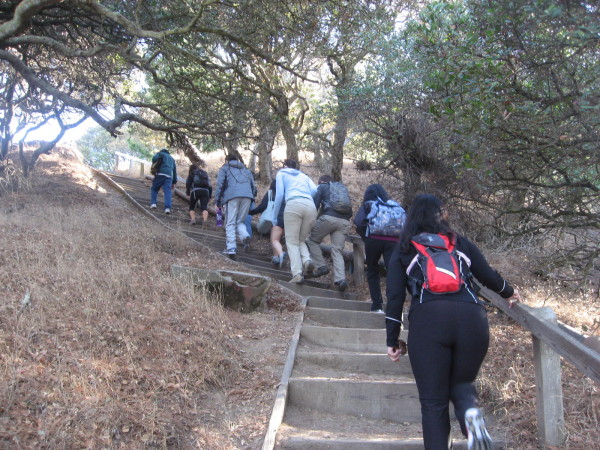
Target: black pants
447 342
199 195
374 249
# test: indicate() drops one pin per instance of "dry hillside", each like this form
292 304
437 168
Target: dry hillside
100 348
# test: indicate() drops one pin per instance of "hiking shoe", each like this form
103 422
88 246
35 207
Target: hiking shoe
477 435
153 206
246 242
229 252
298 279
282 259
323 270
308 267
341 285
167 211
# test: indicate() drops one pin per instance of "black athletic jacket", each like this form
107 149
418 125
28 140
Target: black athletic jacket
397 284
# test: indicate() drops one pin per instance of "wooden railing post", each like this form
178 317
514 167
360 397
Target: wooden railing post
550 413
358 259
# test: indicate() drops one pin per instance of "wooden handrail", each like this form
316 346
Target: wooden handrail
551 340
563 342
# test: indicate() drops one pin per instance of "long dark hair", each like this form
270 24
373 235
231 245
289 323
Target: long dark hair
373 191
425 215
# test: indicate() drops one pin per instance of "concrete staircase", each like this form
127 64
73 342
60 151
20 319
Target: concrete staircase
339 390
344 392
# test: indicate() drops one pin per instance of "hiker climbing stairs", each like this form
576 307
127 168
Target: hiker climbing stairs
213 237
341 391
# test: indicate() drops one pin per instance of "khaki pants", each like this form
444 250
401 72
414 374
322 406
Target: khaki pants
299 217
338 229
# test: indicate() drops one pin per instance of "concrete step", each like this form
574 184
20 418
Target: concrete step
306 290
347 364
345 318
306 428
359 340
333 303
379 400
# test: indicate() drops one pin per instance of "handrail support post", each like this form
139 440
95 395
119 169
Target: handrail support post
550 413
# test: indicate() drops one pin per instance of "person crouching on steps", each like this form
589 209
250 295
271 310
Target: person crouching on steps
235 190
297 189
329 223
449 332
198 189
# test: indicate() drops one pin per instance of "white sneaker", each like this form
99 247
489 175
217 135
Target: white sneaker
477 435
167 211
378 311
153 206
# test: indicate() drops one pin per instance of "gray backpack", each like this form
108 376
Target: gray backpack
339 199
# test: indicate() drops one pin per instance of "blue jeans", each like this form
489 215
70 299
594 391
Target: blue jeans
164 182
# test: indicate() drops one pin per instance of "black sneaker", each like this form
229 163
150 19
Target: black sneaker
341 285
323 270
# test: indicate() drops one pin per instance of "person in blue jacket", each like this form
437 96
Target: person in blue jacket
166 178
449 333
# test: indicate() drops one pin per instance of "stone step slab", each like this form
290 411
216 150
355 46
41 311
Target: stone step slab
350 363
349 339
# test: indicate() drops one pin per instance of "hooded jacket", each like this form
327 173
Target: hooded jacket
372 193
234 180
291 184
168 167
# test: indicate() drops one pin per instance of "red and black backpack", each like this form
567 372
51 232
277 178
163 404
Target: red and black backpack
445 270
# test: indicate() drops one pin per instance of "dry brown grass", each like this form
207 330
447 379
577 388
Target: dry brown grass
99 347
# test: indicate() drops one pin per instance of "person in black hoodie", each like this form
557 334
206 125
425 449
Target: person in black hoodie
375 246
198 193
449 332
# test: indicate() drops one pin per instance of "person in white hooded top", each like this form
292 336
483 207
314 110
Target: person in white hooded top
299 216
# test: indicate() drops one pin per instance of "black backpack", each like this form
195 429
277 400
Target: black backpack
339 198
155 167
201 179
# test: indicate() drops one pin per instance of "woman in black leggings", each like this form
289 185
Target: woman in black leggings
449 332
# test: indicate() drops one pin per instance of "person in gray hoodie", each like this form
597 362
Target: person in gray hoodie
299 216
235 191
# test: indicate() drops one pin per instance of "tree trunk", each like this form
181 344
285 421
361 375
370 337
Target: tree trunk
182 142
283 114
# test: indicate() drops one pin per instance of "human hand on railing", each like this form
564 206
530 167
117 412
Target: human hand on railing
514 299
